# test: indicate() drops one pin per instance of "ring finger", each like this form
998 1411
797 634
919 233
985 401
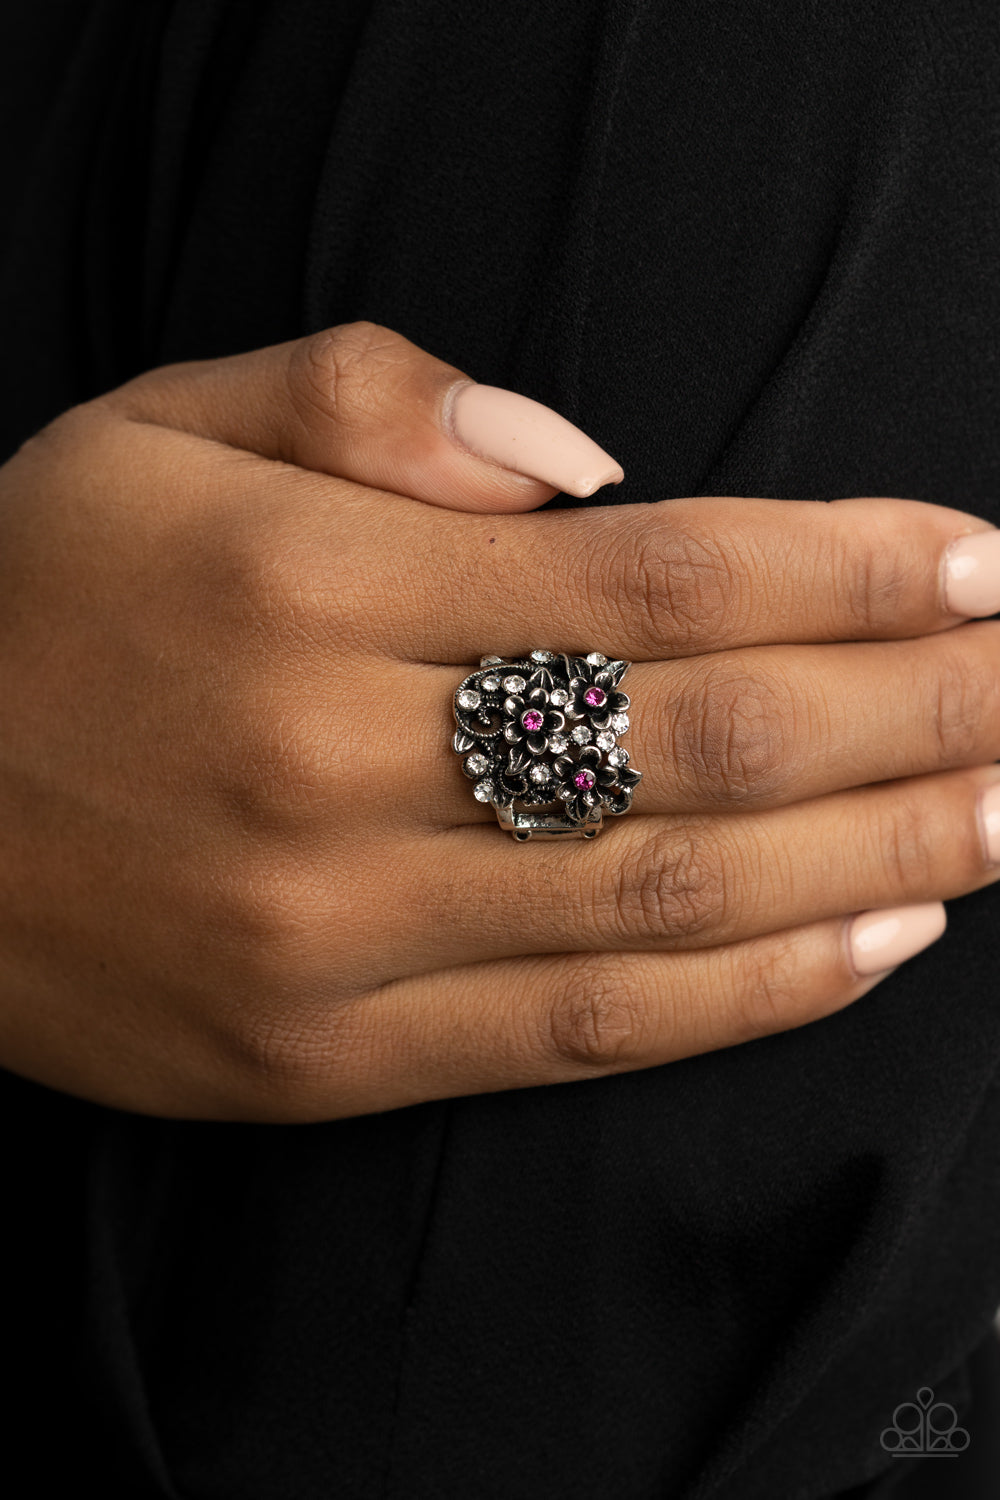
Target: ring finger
754 728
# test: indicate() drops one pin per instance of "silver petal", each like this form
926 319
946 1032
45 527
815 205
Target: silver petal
462 741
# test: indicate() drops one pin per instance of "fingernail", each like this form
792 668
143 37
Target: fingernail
872 980
882 939
530 438
989 817
972 574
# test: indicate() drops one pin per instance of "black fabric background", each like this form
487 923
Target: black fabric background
752 248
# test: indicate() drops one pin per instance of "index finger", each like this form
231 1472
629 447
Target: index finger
680 577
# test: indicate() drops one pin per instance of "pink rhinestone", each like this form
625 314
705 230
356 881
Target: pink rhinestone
532 720
584 780
595 696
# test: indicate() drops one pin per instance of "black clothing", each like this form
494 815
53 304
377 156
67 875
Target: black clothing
751 247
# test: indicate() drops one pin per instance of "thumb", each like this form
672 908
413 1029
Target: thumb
361 402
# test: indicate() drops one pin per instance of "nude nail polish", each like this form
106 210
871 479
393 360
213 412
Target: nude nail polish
972 575
529 438
884 938
989 817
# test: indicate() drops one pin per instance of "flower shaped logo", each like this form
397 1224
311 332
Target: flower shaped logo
533 720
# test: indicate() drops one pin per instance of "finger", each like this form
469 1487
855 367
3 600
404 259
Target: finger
692 882
362 402
531 1021
641 582
678 578
756 728
774 725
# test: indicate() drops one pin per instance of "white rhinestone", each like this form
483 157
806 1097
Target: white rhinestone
542 657
476 765
596 659
559 697
490 684
618 757
580 735
605 740
468 699
557 743
619 723
483 791
514 684
491 661
540 773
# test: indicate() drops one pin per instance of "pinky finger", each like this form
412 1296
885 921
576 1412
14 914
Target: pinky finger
522 1022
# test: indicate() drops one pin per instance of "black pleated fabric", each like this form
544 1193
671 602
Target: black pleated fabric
752 248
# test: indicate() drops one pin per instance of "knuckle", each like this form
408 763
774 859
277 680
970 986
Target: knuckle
911 839
278 776
279 1023
668 887
596 1018
965 703
871 585
276 1056
731 733
262 908
288 1064
672 588
769 994
341 373
79 428
269 580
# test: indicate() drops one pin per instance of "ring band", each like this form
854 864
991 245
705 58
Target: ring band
539 736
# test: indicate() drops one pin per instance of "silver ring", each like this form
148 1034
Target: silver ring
539 736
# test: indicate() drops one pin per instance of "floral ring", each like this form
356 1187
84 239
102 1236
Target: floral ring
539 736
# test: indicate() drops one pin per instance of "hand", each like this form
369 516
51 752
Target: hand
243 874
